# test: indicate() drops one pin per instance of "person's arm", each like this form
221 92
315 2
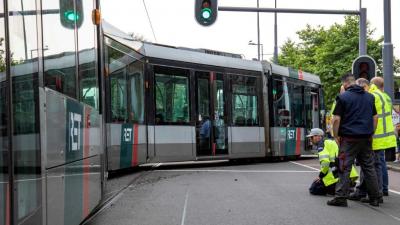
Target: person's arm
375 122
335 126
337 112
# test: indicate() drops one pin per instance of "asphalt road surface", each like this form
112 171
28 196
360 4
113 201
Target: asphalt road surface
223 194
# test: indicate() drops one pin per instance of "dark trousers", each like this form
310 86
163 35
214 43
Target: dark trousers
360 148
381 173
385 176
318 188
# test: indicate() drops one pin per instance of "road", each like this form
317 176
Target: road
223 194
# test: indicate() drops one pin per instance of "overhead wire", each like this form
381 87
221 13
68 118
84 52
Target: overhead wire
148 17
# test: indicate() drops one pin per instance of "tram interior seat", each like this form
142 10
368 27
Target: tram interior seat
240 121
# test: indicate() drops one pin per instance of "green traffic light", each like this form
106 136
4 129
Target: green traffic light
206 13
71 15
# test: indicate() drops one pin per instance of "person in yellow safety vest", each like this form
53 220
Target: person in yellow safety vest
327 153
383 138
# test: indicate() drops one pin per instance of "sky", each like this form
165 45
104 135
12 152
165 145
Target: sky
174 23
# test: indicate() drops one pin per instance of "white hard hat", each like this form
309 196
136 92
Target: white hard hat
315 132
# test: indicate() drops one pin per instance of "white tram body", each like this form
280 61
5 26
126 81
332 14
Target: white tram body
255 109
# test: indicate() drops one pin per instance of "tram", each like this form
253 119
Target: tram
167 103
79 99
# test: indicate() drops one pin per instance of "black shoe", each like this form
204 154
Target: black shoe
338 202
368 200
375 202
355 197
385 193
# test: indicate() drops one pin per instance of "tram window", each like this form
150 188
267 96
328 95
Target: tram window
118 96
281 103
244 101
59 52
308 98
87 57
126 84
136 87
322 111
172 96
118 92
296 100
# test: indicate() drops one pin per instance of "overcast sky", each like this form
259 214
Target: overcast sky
174 23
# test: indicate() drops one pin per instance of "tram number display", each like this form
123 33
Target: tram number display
127 134
75 130
291 134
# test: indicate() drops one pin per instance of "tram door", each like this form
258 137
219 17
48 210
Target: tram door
211 130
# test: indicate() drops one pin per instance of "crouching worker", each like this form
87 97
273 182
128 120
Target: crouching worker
327 154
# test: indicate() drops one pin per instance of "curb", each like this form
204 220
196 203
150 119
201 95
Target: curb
394 168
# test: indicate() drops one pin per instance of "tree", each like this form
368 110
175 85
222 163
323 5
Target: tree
330 52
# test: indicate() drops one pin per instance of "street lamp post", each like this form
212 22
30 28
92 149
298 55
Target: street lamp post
388 49
258 46
275 37
258 31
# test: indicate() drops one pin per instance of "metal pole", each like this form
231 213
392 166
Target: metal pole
276 37
387 49
258 31
10 117
362 44
286 10
24 30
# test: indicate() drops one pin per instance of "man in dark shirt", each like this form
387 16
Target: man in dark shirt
354 124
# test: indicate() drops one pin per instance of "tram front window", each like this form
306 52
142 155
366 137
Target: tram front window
4 118
87 55
172 96
26 137
126 85
59 52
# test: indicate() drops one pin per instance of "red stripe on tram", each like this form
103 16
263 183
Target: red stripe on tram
8 204
135 145
298 141
86 169
214 146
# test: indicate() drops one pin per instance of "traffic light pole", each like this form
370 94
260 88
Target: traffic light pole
387 50
362 44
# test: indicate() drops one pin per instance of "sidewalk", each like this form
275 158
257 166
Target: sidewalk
393 166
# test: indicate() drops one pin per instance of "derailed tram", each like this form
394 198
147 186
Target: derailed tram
167 104
78 100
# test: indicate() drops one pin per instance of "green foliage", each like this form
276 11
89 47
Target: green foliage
330 52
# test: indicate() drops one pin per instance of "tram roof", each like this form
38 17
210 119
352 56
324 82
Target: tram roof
297 74
197 56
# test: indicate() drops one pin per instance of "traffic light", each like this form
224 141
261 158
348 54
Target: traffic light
364 67
206 11
71 14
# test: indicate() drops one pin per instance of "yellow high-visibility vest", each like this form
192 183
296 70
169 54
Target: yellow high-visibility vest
328 156
384 136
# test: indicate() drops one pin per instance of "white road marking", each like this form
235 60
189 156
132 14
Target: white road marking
395 192
241 171
394 217
300 164
184 208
